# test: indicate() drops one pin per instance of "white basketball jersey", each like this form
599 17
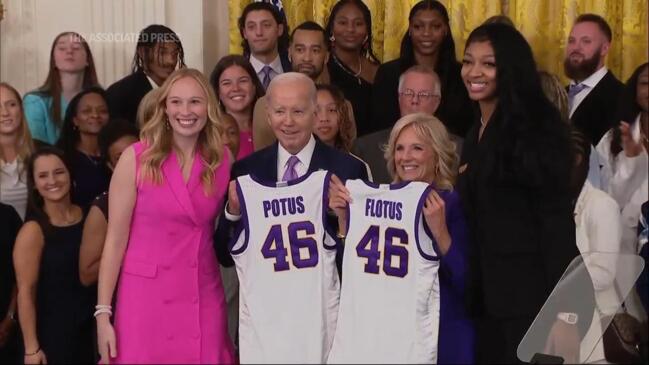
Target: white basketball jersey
285 260
389 301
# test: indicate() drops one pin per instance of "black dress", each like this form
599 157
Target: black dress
91 178
357 91
64 308
9 225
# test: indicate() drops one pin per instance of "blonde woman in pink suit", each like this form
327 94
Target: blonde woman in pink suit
164 196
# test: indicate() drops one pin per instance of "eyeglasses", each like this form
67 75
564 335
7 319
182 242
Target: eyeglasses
422 95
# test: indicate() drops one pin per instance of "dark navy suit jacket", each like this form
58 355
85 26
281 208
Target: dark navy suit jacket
263 165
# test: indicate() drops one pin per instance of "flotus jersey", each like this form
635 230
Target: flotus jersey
389 301
285 260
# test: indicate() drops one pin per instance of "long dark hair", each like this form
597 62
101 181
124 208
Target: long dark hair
35 202
147 40
235 60
70 135
367 51
52 85
446 58
282 41
535 145
629 108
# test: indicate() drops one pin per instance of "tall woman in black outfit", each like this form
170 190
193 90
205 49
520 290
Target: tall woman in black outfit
514 182
352 64
54 309
428 42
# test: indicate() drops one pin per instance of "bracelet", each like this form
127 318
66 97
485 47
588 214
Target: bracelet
341 236
103 310
103 306
34 353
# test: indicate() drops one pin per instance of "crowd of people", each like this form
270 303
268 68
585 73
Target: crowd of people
120 210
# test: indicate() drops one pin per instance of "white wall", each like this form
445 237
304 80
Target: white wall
111 28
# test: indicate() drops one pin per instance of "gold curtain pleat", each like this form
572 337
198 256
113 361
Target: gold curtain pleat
545 23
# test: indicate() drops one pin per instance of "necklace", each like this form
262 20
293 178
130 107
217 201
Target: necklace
348 70
94 160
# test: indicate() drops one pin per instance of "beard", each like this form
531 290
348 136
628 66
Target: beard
308 69
581 70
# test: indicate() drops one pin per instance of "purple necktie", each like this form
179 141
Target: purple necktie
573 90
290 173
266 79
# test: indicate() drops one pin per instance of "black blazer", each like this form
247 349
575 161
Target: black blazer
455 109
263 165
124 96
524 232
596 114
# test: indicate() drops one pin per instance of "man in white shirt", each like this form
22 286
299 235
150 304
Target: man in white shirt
265 40
594 91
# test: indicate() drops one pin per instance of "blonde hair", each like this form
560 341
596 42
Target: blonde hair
433 134
24 143
556 93
157 135
146 108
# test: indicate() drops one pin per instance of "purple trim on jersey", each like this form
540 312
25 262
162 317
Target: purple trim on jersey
325 207
243 226
393 186
273 184
418 218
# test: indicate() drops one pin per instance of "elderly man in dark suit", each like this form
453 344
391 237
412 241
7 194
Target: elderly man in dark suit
291 114
594 91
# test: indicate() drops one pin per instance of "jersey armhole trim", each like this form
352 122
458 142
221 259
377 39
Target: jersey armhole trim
325 208
242 226
419 219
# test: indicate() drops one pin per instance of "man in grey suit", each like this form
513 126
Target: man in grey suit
419 92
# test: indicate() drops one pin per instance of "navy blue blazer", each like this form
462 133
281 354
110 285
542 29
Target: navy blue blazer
263 165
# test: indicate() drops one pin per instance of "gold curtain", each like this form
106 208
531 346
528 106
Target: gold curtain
545 23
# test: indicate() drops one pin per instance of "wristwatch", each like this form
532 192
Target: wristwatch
570 318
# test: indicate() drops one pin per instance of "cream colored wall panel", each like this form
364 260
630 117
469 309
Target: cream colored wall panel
109 26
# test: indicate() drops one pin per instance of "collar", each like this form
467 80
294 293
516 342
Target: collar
153 84
592 80
583 196
276 65
304 155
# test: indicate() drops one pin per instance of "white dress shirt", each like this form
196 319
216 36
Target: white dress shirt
304 156
590 84
153 84
599 233
625 179
13 186
275 65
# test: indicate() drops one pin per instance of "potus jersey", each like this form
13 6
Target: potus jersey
389 300
285 261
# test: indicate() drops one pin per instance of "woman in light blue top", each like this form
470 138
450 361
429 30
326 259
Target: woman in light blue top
71 69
